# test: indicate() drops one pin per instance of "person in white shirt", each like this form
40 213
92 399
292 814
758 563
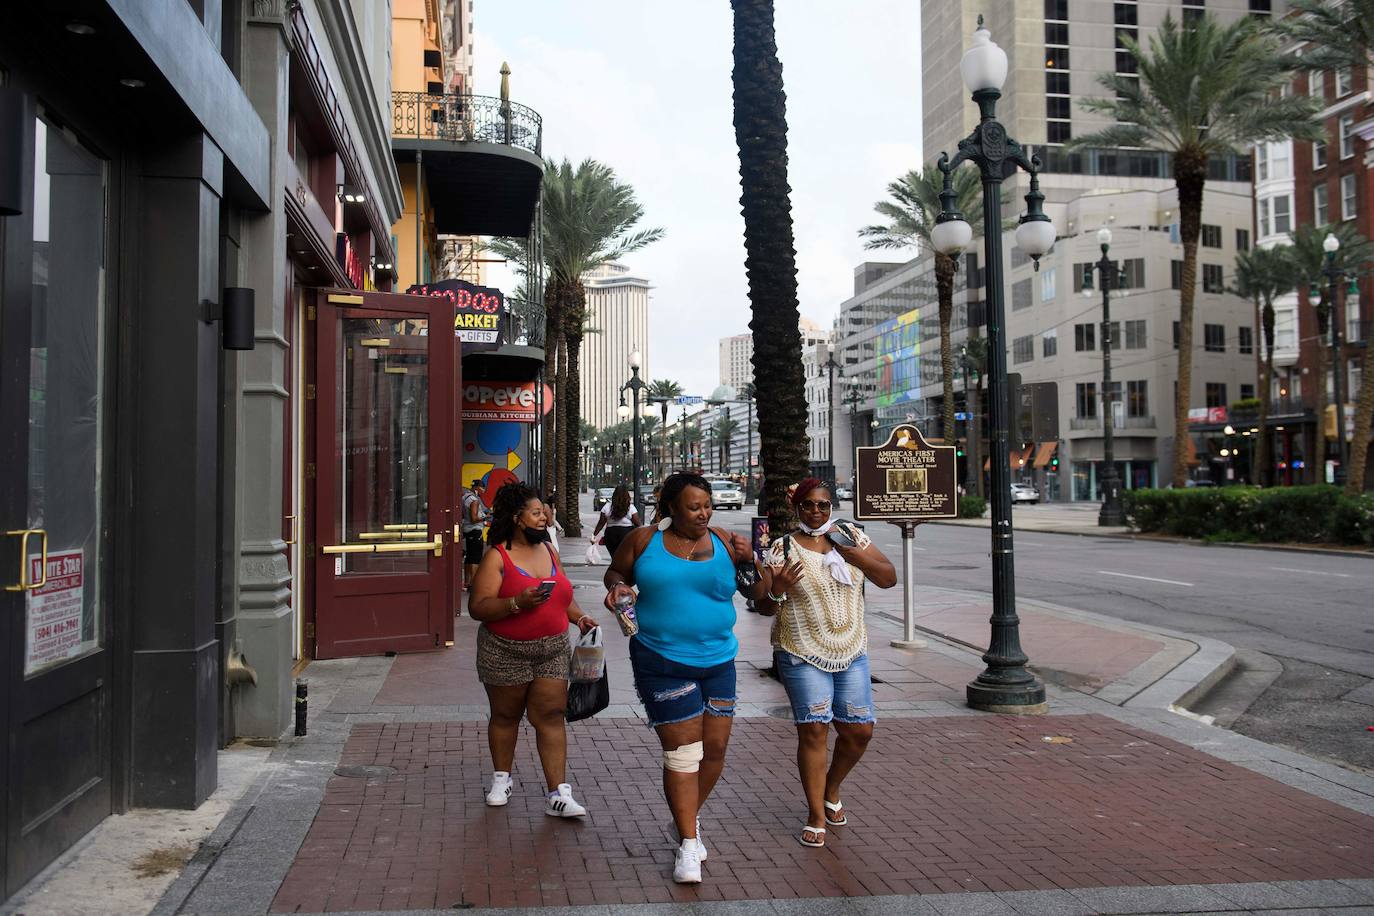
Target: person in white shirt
619 517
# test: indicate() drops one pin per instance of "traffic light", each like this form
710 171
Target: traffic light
960 452
1054 463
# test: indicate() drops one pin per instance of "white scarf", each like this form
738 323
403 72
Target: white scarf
839 569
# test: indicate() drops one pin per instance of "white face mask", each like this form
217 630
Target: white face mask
814 532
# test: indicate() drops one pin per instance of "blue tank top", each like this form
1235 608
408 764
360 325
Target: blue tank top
686 608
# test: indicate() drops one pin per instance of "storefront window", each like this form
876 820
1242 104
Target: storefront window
66 399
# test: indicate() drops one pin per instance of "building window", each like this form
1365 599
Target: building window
1214 338
1175 335
1058 131
1260 8
1213 278
1056 83
1247 392
1175 275
1347 135
1047 284
1352 321
1049 342
1265 220
1057 33
1192 14
1321 213
1283 214
1086 397
1082 276
1347 197
1021 295
1262 162
1216 394
1137 398
1343 82
1242 240
1136 338
1126 13
1084 337
1023 349
1246 340
1319 154
1057 9
1211 236
1133 273
1278 160
1056 58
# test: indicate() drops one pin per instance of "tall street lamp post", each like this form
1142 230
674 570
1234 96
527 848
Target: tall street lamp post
663 403
1111 512
1006 686
634 385
830 367
1334 275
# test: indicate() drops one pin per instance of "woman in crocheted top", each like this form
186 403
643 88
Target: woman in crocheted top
815 579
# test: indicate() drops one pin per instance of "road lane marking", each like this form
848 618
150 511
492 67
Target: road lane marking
1310 572
1104 572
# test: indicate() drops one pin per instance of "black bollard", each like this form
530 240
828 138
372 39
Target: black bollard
302 688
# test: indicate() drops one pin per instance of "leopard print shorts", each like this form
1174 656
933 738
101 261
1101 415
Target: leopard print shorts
505 662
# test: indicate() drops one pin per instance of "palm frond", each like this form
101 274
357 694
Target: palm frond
1335 35
914 203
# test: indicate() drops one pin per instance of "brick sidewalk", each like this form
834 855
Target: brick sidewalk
968 803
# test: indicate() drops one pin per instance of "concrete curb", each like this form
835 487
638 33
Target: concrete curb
1166 539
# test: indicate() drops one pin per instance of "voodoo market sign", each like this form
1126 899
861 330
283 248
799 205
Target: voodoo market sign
478 311
905 478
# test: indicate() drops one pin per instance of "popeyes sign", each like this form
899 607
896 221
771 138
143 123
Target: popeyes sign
516 402
477 310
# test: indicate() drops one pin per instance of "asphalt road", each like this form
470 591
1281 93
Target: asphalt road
1314 613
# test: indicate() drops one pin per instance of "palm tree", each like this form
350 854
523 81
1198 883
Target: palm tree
1204 90
1307 260
770 257
722 433
1264 274
589 220
910 211
663 390
1337 35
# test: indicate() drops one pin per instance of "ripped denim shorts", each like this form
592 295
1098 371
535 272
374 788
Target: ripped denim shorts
673 692
824 696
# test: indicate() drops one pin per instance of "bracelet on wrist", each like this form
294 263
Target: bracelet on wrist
513 606
777 599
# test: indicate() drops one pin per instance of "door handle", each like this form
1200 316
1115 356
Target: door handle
348 548
291 524
436 545
25 584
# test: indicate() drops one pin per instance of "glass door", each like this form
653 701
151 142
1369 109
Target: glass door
384 489
54 576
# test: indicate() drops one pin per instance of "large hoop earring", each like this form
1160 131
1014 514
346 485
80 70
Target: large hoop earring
665 523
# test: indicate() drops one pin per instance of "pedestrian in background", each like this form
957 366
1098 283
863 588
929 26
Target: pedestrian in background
525 602
814 583
473 526
683 656
619 517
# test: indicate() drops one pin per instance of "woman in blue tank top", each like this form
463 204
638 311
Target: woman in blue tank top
683 656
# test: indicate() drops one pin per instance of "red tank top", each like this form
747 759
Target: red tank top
549 618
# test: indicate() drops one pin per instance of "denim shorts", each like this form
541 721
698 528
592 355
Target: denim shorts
673 692
822 696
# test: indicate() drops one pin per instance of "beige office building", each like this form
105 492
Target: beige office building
618 324
737 353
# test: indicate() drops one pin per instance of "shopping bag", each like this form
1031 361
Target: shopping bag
593 556
588 657
588 698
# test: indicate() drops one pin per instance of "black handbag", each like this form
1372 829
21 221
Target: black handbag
587 698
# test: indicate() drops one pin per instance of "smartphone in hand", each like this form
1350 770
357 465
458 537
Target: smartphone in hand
839 537
546 587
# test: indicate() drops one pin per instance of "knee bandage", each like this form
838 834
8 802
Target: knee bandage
685 759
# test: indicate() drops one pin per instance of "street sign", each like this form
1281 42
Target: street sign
905 479
960 415
688 399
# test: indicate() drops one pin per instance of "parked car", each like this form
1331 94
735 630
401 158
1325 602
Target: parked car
843 493
726 494
601 497
1022 493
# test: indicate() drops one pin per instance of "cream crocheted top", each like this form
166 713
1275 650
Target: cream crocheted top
822 620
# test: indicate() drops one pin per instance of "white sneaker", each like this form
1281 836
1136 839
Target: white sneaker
701 847
562 803
501 786
687 868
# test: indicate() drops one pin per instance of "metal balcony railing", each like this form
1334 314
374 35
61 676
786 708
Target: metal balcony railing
466 118
525 322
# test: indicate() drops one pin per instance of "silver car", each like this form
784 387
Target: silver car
726 494
1023 493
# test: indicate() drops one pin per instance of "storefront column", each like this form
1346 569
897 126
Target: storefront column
174 430
265 602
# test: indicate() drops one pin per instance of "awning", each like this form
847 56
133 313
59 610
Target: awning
1044 452
1016 458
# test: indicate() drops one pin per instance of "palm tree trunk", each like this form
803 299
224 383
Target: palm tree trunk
944 288
1319 434
1190 176
575 307
1264 458
1364 409
770 261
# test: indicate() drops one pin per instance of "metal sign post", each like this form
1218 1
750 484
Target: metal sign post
909 640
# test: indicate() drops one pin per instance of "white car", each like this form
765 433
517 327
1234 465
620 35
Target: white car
843 492
726 494
1021 493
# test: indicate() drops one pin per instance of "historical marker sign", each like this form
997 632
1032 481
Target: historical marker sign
906 478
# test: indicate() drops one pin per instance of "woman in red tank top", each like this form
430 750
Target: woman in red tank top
525 603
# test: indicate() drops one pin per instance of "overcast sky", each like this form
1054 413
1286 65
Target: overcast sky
644 86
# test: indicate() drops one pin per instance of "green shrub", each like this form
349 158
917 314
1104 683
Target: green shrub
971 506
1310 514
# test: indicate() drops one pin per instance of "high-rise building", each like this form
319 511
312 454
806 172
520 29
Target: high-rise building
737 353
617 324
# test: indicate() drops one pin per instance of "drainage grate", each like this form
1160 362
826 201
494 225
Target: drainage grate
364 772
